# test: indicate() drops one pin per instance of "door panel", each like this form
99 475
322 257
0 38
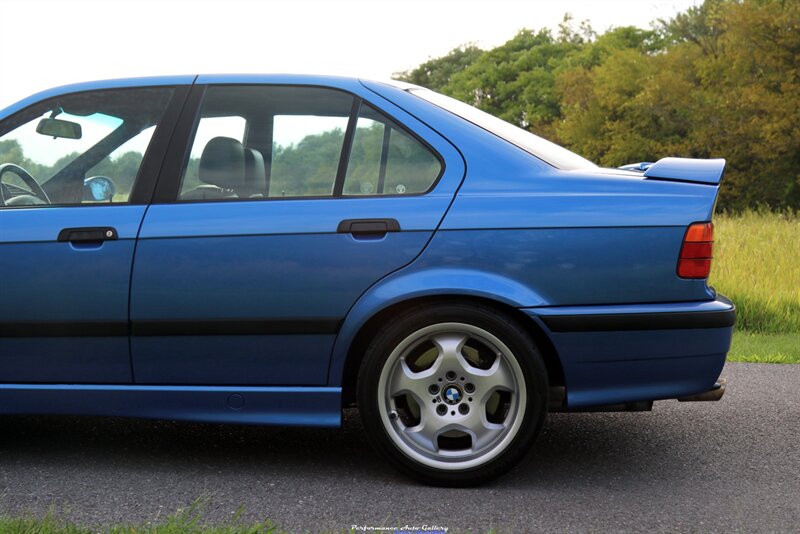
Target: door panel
72 205
64 306
270 280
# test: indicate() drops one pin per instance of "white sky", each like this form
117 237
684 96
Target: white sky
45 43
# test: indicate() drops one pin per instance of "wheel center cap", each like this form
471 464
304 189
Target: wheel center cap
452 395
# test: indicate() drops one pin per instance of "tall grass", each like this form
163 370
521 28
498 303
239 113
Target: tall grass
757 265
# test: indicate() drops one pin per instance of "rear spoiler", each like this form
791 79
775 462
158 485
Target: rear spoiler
701 171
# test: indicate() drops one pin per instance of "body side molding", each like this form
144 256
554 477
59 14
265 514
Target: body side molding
284 406
190 327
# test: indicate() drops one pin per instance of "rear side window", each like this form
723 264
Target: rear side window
273 142
255 142
386 160
305 154
232 127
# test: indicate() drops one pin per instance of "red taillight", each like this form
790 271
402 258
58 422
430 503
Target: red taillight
695 258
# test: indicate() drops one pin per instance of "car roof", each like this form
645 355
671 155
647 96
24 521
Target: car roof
341 82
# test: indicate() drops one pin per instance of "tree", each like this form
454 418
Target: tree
599 92
435 74
719 80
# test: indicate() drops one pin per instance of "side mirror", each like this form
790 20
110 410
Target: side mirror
98 189
59 128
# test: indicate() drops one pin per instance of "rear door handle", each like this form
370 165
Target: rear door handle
368 226
94 234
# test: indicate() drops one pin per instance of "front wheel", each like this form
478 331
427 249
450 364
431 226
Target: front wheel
452 394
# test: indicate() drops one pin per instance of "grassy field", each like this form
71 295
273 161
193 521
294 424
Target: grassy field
757 265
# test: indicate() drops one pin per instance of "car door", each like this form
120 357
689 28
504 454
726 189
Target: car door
291 200
75 182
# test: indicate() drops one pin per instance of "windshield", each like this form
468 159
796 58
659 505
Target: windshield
543 149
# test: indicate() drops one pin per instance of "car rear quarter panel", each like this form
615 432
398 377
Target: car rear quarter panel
531 236
594 236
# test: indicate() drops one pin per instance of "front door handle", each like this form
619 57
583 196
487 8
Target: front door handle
95 234
374 227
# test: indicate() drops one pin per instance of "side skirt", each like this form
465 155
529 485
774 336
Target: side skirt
284 406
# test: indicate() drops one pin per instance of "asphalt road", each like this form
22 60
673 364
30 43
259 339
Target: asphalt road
727 466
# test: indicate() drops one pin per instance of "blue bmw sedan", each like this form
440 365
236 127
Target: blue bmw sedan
268 249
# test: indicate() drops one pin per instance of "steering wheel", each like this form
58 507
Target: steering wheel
26 177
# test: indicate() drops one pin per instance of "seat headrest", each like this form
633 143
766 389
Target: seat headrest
222 163
255 174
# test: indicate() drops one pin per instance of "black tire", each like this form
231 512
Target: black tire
512 445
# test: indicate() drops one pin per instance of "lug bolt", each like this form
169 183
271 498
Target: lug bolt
450 375
463 409
441 409
469 387
433 389
392 415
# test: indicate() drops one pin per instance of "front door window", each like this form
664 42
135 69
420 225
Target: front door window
83 148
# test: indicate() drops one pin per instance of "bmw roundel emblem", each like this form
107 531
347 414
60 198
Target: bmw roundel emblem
452 395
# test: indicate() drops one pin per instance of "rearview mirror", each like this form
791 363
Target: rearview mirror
59 128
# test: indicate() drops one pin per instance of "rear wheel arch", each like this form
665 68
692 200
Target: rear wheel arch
375 323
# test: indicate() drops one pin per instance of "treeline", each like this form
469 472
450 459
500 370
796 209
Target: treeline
720 80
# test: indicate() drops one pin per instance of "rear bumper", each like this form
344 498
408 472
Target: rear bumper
630 353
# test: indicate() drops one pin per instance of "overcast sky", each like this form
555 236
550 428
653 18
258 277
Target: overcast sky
45 43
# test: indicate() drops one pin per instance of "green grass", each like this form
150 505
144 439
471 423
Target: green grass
188 521
757 265
765 348
55 526
182 523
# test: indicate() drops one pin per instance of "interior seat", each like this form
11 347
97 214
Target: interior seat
222 170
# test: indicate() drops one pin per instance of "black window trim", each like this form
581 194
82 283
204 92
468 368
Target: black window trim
172 169
386 144
174 164
144 186
347 146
